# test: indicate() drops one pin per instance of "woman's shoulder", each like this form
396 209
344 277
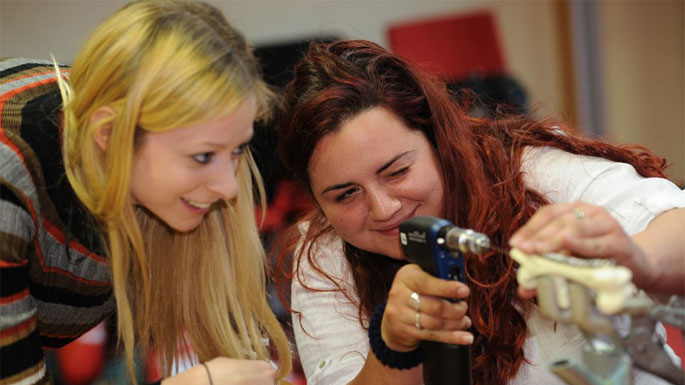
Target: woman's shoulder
29 96
30 100
31 164
23 78
10 62
324 254
16 67
533 155
30 107
328 242
551 170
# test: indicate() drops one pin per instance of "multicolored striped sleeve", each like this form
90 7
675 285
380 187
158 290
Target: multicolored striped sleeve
21 353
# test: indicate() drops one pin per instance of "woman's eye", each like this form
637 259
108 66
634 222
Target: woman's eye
344 195
240 150
400 171
203 158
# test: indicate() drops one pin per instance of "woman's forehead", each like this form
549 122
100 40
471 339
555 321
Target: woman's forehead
363 145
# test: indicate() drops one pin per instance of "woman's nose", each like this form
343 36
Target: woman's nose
224 183
382 204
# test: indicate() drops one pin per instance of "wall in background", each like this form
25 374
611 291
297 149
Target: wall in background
642 46
644 76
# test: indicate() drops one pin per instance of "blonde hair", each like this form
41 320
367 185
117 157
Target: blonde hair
161 65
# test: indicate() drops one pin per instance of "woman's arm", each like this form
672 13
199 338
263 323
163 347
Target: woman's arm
656 255
334 347
439 320
626 217
663 242
21 352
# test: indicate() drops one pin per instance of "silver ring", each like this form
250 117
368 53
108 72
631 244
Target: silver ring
579 213
415 301
417 320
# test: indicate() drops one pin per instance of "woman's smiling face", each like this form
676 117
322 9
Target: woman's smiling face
179 174
373 174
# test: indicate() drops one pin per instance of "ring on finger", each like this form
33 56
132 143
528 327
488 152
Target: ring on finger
415 301
580 214
417 320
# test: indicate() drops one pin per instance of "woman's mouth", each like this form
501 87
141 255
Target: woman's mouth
391 231
196 205
394 229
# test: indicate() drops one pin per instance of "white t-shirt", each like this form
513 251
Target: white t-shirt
333 345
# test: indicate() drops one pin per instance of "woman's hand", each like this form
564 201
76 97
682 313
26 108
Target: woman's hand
226 371
438 319
581 230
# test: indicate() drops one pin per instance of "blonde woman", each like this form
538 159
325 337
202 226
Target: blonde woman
148 210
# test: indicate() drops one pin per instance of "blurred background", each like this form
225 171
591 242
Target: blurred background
613 68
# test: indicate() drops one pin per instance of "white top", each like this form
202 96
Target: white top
333 345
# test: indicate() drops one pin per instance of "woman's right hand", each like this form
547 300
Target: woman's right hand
226 371
440 319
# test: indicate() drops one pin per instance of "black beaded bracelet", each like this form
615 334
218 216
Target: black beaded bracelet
387 356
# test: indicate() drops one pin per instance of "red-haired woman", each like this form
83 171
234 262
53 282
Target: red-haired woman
377 142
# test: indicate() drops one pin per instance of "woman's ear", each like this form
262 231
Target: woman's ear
102 117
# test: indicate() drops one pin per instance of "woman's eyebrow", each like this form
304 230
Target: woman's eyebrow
393 160
336 187
213 143
380 170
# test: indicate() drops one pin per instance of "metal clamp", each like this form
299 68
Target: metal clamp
586 293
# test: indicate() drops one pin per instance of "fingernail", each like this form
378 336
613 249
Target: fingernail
463 292
467 320
525 246
468 339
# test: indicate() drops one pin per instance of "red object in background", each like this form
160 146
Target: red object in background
82 360
288 200
152 373
452 47
675 340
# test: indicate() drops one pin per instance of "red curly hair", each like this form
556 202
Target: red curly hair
481 161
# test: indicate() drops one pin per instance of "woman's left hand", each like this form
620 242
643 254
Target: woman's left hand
429 316
581 230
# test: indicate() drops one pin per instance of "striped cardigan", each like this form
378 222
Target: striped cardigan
55 283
